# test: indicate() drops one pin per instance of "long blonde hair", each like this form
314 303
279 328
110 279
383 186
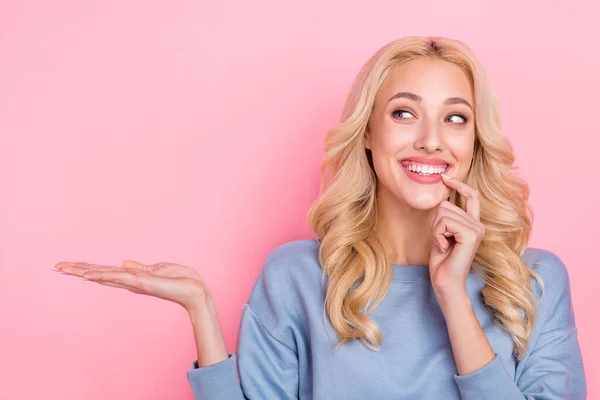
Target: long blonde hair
343 217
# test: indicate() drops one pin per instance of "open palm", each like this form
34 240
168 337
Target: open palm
173 282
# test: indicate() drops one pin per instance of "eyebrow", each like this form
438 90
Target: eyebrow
417 98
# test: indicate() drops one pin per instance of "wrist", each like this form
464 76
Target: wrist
210 345
454 300
203 312
200 303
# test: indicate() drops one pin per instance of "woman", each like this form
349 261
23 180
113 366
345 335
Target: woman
422 230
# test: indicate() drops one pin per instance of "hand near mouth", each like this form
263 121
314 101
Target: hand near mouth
457 234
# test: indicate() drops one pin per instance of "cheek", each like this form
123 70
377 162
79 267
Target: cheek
389 140
465 155
384 148
462 148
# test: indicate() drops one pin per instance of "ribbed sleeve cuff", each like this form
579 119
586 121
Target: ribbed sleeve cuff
217 381
490 382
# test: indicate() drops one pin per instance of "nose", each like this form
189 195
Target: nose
429 137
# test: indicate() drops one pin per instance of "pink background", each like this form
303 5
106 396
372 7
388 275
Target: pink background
191 132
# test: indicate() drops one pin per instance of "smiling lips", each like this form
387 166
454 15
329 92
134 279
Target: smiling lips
425 170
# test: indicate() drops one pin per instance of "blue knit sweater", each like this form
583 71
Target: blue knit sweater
286 343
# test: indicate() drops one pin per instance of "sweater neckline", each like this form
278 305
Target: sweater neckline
410 273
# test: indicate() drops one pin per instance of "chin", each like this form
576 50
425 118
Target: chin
424 204
426 200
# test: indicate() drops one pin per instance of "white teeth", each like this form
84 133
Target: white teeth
425 169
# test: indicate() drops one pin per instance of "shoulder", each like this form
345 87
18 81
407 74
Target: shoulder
296 260
544 262
289 278
295 252
553 273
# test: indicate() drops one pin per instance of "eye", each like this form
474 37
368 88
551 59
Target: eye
401 112
457 115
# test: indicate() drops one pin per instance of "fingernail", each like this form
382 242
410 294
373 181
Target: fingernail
440 247
447 234
446 176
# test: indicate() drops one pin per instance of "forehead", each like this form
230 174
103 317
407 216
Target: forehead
434 80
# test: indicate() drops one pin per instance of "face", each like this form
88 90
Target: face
422 124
